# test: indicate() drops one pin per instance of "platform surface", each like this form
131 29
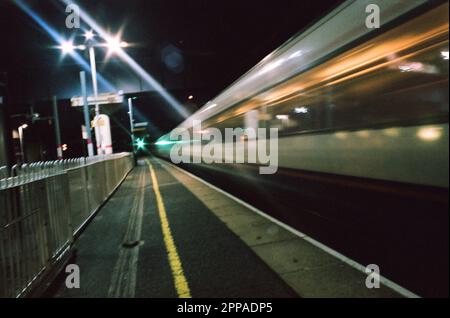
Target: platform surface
165 233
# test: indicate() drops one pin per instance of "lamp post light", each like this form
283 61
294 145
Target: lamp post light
20 129
89 35
114 44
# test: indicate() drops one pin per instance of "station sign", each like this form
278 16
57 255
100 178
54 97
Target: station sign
102 99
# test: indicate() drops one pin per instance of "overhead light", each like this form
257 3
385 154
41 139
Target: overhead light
191 97
67 47
282 117
341 135
24 126
444 55
363 133
392 132
411 67
89 35
300 110
114 44
430 133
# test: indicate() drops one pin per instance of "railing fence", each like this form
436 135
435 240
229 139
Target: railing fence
42 206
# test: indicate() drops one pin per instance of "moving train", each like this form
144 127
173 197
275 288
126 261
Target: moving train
362 116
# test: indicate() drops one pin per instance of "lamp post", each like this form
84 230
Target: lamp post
114 44
130 113
94 78
59 152
20 129
87 121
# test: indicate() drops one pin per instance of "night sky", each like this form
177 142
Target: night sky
196 47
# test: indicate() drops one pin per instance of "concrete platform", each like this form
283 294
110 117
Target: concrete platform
165 233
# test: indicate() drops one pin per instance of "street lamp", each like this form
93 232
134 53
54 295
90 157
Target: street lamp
89 35
20 129
114 45
67 47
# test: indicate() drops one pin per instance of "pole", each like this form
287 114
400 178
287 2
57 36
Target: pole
22 153
130 112
59 153
87 121
98 135
94 78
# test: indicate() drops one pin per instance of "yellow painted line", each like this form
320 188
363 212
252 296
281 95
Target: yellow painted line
181 284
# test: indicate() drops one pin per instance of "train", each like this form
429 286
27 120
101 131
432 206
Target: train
362 121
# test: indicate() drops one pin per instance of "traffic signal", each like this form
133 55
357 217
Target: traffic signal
140 143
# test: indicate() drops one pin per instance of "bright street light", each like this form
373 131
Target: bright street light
114 44
67 47
89 35
301 110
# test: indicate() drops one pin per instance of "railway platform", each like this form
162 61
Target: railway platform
166 233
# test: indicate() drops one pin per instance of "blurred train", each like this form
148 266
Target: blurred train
363 135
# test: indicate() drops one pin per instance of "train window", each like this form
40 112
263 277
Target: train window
412 90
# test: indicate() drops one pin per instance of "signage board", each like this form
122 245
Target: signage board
102 99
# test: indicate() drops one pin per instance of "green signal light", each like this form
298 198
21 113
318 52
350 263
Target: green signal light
140 143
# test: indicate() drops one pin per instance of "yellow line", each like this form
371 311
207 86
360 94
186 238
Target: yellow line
181 284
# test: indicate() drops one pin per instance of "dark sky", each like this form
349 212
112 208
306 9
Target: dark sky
209 44
215 41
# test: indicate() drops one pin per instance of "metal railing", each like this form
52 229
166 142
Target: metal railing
42 206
